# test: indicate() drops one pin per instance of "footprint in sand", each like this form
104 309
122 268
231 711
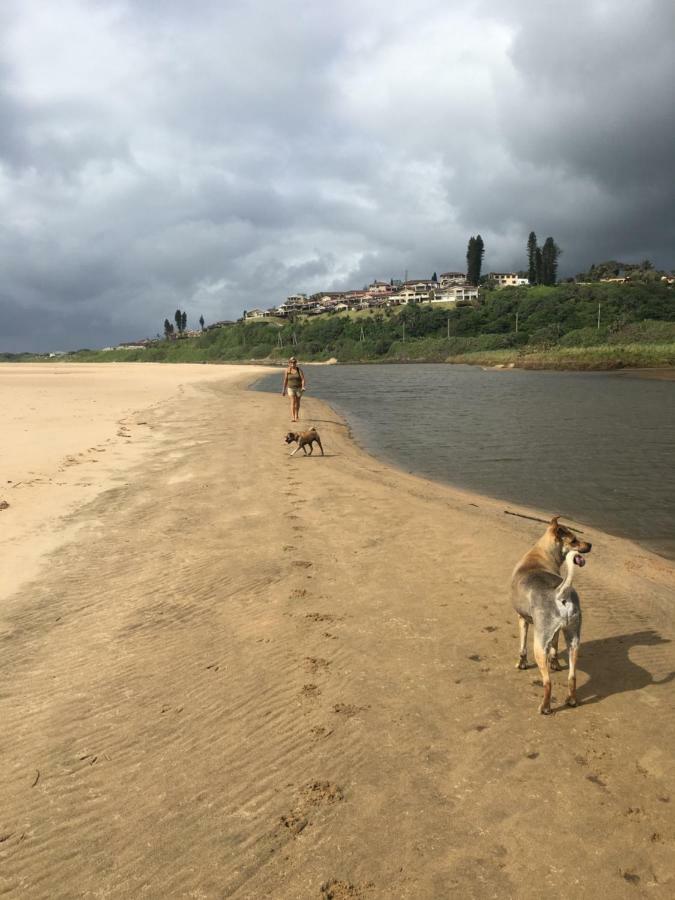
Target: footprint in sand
336 889
311 690
315 795
302 563
316 664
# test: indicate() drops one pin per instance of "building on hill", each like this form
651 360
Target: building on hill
507 279
455 293
414 291
380 287
255 314
449 278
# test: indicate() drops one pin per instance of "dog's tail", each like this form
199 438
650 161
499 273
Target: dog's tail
565 587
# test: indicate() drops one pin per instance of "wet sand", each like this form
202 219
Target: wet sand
236 674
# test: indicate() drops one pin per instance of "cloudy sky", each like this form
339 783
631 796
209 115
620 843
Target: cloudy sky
217 155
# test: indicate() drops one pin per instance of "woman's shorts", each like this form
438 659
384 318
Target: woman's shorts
295 392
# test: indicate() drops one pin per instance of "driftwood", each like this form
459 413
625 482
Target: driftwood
533 519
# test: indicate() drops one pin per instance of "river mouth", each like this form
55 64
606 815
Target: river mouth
590 446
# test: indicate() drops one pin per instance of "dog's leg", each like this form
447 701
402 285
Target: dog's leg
304 449
572 641
541 657
320 447
293 452
553 663
311 448
523 625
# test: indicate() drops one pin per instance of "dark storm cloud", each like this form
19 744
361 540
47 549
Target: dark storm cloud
219 156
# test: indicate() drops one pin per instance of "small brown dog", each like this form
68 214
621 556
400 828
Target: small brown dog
304 439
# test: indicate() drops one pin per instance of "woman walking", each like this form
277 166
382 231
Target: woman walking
294 383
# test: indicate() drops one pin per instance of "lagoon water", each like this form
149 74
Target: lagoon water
596 447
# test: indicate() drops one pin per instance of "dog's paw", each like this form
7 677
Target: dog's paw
522 663
571 701
545 710
554 664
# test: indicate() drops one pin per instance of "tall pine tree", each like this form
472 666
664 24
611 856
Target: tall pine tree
532 258
474 259
549 261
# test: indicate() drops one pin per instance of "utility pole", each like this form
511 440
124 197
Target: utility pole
448 332
599 315
280 340
362 338
516 321
404 332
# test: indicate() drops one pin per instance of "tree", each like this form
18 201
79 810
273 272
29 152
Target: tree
178 319
532 258
538 266
168 329
183 321
474 259
549 261
201 322
434 278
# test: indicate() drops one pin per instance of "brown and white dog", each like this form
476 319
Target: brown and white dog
543 596
304 439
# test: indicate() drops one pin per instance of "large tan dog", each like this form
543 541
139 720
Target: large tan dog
545 599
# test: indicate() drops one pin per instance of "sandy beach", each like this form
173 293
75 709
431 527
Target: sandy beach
228 673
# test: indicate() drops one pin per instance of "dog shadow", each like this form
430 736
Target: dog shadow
610 669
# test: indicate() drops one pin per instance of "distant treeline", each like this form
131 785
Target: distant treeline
566 315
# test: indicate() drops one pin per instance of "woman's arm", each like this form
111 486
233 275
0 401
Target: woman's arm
302 377
283 389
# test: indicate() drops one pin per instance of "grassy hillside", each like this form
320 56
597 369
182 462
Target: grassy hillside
556 326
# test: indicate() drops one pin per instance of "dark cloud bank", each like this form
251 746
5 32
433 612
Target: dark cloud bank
219 156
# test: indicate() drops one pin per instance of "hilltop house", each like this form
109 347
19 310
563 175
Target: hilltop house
456 293
507 279
449 278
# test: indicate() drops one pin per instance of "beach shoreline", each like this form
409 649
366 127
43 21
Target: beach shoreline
247 675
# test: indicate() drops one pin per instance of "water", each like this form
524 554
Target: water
594 446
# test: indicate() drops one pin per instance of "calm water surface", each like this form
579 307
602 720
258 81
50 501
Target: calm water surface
597 447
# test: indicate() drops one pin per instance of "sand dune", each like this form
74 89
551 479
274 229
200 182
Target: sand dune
247 676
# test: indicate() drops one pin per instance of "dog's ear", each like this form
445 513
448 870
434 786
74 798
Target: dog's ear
556 529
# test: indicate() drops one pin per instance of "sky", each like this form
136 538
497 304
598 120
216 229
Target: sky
218 155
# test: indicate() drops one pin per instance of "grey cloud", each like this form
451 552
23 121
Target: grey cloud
217 157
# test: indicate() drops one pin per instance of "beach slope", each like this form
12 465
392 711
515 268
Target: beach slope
245 675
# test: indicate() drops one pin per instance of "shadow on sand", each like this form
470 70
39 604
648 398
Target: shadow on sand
610 669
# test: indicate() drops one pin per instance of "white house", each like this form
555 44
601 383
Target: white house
456 293
448 278
507 279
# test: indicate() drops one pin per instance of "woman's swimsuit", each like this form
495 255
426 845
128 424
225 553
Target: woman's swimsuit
294 379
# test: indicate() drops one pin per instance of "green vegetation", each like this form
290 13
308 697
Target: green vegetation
568 325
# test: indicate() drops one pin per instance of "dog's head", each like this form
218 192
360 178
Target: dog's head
567 542
291 437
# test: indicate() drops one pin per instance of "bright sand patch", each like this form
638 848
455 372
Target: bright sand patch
245 675
70 432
